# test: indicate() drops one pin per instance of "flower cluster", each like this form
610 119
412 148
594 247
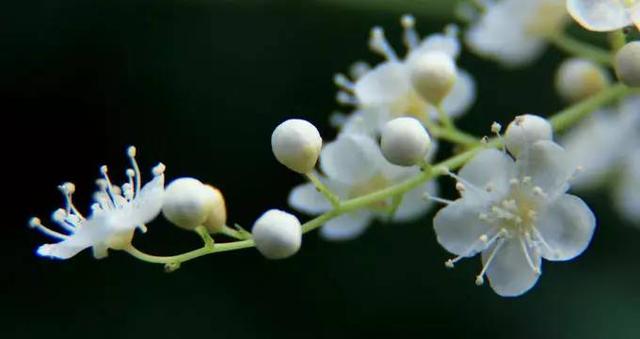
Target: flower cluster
514 207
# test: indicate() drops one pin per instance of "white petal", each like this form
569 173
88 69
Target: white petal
91 232
458 227
413 205
148 204
490 170
447 43
567 227
501 34
347 226
548 166
306 198
383 85
627 193
365 121
510 273
601 15
462 95
350 159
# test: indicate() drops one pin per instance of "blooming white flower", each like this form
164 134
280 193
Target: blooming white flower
604 15
386 91
353 166
512 31
606 146
115 215
515 213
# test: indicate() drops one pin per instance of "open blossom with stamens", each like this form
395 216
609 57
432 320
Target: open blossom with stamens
115 215
512 31
607 146
386 91
515 213
353 166
605 15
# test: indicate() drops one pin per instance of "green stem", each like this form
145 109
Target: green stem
560 121
573 114
579 48
322 188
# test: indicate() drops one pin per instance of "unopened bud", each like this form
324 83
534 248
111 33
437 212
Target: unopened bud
627 64
525 130
277 234
404 141
578 79
187 203
217 217
296 144
433 75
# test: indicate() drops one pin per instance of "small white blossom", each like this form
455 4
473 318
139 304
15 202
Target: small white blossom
627 64
404 141
578 79
515 213
386 91
116 213
353 165
512 31
277 234
605 146
433 75
296 143
604 15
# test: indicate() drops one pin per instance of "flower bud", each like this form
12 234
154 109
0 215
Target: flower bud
296 144
433 75
187 203
627 64
578 79
404 141
526 129
217 216
277 234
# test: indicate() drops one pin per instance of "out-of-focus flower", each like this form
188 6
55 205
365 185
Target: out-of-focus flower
605 147
627 64
353 166
515 213
512 31
386 91
604 15
115 215
578 79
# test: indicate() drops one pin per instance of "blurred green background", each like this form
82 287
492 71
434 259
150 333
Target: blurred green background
199 85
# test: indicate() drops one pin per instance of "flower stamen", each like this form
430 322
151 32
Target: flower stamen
379 44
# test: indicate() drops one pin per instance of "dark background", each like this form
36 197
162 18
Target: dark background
199 85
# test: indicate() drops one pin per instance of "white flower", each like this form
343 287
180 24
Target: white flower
353 166
606 146
188 202
604 15
114 216
512 31
386 91
578 79
515 213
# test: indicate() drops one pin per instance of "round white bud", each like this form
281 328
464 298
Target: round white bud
217 217
296 144
578 79
404 141
526 129
187 203
433 75
627 64
277 234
